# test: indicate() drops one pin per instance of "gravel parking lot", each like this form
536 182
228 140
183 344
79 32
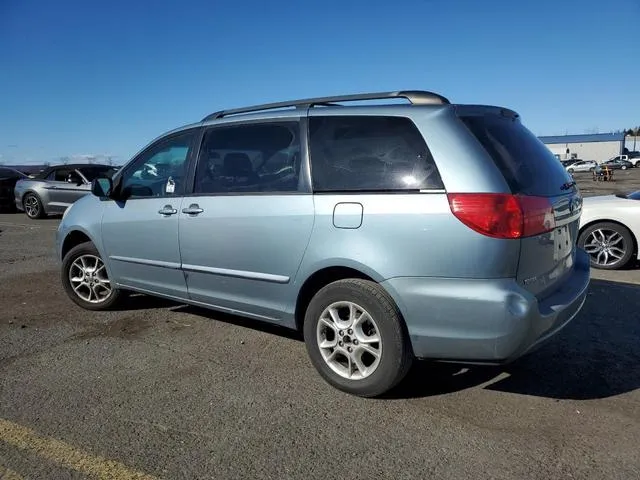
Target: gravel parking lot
160 390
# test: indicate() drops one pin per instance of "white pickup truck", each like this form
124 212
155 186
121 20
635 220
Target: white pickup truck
634 159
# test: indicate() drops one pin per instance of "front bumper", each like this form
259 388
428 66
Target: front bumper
485 321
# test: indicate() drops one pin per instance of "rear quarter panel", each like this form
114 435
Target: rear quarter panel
31 185
405 235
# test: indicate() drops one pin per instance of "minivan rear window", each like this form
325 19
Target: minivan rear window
526 163
370 154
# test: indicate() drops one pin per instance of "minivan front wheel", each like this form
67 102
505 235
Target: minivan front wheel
356 339
85 279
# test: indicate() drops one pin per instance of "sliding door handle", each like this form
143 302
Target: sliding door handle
194 209
167 210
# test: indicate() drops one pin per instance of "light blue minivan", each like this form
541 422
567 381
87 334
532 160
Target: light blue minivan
384 232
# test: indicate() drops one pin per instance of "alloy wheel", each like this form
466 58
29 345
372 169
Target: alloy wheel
349 340
606 247
32 206
88 277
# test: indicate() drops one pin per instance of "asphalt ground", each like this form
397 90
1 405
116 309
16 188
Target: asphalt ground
161 390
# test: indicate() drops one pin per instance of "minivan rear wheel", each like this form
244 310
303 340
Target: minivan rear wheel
356 339
85 279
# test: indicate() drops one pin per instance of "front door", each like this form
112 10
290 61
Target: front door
245 229
140 233
65 186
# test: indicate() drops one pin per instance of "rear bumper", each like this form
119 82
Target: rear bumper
488 321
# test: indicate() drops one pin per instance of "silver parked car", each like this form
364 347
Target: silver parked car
383 232
582 166
54 189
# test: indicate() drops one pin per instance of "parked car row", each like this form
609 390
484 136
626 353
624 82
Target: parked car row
54 189
620 162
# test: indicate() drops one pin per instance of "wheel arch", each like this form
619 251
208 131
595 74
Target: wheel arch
617 222
37 194
72 239
319 279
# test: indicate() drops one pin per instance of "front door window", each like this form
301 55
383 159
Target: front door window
161 170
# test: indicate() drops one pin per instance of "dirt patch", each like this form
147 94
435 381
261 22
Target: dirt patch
126 327
20 294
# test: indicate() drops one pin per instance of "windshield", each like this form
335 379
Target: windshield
90 173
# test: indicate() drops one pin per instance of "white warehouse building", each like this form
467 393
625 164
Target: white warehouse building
597 146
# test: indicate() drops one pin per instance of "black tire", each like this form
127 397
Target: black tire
40 207
623 167
628 244
76 252
396 357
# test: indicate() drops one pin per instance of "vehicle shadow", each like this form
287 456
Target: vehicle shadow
595 356
265 327
139 301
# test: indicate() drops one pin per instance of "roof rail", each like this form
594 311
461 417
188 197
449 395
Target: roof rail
416 97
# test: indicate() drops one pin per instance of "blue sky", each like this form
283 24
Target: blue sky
79 77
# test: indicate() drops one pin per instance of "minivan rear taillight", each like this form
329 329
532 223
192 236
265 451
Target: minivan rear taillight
502 215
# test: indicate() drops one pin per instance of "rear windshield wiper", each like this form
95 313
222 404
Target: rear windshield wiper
568 185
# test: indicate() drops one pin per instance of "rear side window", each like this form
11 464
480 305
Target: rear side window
369 153
526 163
252 158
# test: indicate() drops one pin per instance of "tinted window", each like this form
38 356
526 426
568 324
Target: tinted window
527 164
363 153
250 158
10 173
63 175
93 171
159 170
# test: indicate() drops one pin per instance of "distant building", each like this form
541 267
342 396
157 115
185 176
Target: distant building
598 146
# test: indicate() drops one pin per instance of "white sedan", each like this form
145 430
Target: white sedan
610 229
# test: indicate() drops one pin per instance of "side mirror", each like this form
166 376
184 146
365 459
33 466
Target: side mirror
102 187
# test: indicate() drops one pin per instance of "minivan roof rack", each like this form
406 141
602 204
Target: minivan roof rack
416 97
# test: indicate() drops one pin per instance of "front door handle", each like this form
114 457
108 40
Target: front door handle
194 209
167 210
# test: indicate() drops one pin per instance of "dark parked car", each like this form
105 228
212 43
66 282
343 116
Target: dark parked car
8 179
56 188
617 164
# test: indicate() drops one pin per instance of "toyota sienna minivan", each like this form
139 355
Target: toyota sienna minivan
413 229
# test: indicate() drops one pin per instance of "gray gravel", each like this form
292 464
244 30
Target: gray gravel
179 392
